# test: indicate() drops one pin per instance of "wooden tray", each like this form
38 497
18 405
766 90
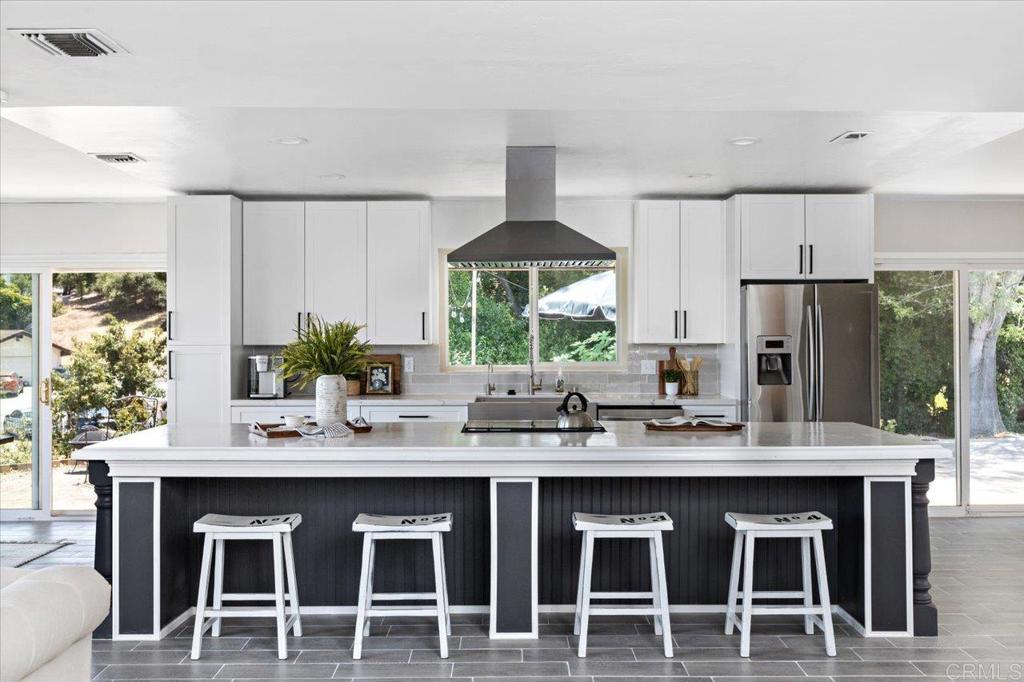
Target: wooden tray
697 428
263 429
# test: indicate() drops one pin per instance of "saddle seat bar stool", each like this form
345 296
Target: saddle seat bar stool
216 530
749 528
640 526
375 528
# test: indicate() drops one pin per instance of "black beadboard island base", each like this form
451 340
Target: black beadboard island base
877 562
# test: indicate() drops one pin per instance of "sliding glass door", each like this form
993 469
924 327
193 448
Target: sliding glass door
995 370
952 369
918 364
24 395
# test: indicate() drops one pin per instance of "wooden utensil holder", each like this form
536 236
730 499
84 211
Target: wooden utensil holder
690 384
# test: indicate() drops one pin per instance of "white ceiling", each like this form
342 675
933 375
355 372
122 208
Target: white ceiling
421 98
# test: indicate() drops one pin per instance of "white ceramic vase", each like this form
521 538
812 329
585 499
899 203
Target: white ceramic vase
331 399
671 390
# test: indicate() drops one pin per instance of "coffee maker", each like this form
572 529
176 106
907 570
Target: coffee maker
266 380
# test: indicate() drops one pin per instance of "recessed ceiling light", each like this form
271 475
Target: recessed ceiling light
698 176
744 141
289 140
332 176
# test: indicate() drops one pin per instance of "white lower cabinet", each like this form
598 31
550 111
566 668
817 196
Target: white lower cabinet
420 413
379 414
276 413
727 412
198 385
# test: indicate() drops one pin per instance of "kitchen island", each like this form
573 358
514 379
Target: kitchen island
512 551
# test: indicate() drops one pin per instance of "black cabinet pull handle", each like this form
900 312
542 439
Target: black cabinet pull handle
414 416
170 374
684 325
675 324
298 323
800 262
810 258
423 325
169 314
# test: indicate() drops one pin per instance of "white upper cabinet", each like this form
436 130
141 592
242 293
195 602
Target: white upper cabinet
398 293
772 236
813 236
840 236
203 264
678 268
656 268
336 260
273 271
702 285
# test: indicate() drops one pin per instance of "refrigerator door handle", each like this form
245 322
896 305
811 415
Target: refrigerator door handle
820 336
812 367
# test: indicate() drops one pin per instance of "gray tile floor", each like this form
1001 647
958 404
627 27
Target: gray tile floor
976 580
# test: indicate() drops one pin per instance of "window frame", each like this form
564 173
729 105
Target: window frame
621 323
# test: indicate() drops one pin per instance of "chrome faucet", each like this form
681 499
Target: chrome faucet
534 385
490 379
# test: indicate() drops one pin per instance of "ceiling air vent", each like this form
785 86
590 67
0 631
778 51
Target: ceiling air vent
849 136
71 42
117 159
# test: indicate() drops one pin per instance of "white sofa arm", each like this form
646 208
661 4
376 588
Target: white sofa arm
44 612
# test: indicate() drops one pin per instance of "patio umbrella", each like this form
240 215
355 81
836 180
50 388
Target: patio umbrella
591 299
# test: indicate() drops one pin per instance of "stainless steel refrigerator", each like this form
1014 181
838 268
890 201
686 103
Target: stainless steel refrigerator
810 353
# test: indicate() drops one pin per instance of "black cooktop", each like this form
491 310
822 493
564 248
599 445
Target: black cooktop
523 426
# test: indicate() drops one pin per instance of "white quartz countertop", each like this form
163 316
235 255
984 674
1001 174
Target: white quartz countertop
456 399
806 439
441 449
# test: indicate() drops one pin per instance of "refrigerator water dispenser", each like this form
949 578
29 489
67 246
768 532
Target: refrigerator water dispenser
774 360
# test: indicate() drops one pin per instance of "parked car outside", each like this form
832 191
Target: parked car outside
19 423
11 384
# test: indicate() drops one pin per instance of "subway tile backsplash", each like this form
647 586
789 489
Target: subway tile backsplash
429 379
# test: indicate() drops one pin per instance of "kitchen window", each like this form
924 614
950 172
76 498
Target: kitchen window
570 314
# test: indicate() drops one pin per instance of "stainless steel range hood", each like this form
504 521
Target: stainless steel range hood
530 235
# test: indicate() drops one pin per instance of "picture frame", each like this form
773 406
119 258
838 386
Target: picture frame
380 378
395 360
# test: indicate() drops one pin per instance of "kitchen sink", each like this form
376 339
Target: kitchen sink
505 407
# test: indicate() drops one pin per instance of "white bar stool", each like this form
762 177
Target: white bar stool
643 526
278 529
807 526
377 527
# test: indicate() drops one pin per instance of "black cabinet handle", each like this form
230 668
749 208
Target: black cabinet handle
423 325
414 416
684 325
810 258
170 374
800 262
675 324
169 314
298 323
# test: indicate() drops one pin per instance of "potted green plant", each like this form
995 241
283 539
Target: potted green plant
325 352
672 377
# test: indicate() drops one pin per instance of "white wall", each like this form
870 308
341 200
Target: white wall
99 236
456 221
947 226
